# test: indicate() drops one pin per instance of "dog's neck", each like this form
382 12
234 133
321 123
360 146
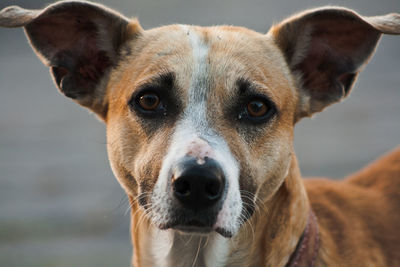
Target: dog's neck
267 239
278 225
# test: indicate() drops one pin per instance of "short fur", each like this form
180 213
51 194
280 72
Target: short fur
205 76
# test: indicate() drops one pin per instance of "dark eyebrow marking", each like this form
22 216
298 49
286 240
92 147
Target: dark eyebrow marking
167 79
243 85
161 80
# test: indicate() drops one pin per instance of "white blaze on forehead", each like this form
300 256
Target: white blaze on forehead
200 66
199 85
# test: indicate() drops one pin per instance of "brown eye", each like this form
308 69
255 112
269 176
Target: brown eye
257 108
149 101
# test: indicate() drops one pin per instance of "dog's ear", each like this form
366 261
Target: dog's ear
325 50
79 41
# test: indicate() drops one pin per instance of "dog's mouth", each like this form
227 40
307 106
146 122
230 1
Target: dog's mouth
199 222
197 227
193 227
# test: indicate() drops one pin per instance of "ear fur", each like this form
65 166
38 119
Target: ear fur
326 48
80 42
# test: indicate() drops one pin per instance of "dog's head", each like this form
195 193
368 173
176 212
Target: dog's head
200 120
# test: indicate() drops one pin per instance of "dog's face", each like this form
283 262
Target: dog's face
200 120
203 124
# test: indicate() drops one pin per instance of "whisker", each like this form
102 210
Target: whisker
198 252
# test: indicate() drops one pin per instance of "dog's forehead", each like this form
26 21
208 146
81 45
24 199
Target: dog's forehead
222 55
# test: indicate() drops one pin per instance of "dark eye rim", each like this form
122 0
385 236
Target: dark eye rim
244 115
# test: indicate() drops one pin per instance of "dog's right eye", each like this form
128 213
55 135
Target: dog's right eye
148 101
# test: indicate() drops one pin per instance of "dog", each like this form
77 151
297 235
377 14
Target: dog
200 127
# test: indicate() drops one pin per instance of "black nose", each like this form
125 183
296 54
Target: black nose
198 186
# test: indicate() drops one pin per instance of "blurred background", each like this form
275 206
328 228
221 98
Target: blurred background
59 202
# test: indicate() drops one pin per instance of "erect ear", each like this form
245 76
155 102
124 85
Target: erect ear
79 41
325 50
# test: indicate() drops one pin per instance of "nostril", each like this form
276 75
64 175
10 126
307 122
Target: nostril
182 187
212 189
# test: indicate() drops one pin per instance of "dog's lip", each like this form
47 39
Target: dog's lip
193 229
224 232
198 228
192 226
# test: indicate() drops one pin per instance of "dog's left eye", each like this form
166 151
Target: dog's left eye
257 108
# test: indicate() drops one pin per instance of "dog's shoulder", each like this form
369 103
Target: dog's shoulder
382 176
363 207
375 183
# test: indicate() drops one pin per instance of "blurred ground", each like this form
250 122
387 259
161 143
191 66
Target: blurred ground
59 202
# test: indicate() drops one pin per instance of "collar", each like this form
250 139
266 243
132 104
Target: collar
307 248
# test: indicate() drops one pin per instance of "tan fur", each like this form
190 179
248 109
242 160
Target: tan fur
360 212
358 217
272 233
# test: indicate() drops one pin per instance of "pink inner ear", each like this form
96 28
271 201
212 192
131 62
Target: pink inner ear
336 51
71 44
